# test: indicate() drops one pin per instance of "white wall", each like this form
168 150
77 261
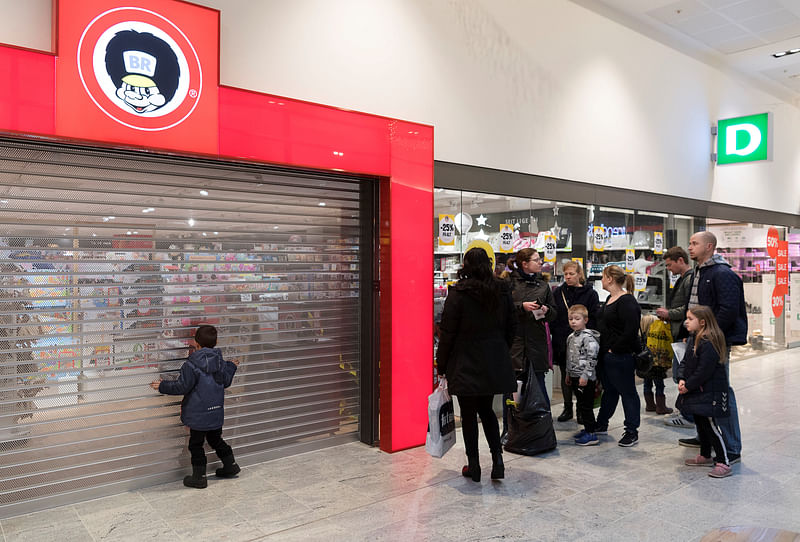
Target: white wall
538 86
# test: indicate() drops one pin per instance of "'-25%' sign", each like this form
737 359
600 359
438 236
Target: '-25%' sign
447 230
506 238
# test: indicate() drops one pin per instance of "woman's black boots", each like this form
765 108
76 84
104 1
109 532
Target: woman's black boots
473 469
498 468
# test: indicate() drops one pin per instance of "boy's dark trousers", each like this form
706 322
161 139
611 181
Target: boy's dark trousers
214 438
585 402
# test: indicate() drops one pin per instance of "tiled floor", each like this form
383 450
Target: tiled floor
605 492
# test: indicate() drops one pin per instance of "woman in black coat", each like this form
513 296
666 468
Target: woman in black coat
534 305
574 291
478 326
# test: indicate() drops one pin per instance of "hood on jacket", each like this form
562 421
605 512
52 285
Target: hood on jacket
716 259
593 332
208 360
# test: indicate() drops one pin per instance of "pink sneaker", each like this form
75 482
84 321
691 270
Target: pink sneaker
700 461
720 470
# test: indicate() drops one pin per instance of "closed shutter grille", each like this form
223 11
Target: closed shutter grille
110 260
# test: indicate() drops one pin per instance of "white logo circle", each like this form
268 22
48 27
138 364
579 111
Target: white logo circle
110 88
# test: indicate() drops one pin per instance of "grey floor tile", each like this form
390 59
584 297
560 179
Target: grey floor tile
57 524
600 493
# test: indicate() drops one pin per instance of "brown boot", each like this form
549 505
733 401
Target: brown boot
661 405
649 403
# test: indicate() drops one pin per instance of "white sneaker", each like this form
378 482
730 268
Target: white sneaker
678 421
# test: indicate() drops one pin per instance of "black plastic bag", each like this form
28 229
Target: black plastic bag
530 424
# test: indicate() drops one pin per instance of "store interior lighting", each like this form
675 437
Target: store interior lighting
615 210
652 213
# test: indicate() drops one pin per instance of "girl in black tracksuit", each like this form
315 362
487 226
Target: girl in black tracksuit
703 388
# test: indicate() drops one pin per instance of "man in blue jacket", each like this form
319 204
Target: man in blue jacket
714 284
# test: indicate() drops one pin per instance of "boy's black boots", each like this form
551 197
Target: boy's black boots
197 478
229 467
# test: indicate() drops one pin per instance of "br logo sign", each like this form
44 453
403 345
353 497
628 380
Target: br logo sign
139 68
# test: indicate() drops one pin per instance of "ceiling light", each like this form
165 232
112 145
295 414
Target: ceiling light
787 52
205 234
105 219
3 201
94 235
321 204
127 232
190 221
204 192
216 233
275 227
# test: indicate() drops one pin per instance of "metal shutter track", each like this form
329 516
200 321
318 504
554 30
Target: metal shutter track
99 295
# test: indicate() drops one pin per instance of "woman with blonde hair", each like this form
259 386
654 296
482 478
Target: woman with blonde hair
619 340
573 291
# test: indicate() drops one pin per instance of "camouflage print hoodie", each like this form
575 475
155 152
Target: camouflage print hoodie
582 349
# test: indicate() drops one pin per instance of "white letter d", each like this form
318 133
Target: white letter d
730 139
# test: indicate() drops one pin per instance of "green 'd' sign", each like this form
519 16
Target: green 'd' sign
743 139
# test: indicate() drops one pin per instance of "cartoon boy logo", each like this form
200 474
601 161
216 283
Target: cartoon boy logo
144 69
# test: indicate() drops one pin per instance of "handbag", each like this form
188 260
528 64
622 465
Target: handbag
643 359
441 421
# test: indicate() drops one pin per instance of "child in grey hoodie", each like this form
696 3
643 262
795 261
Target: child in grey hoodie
582 348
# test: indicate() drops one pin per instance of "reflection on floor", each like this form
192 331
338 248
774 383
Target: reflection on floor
353 492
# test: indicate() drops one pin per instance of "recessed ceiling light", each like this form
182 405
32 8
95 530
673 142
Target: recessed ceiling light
190 221
787 52
321 204
205 234
3 201
127 233
275 227
216 233
204 192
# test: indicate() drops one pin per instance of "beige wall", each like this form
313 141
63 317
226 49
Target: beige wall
537 86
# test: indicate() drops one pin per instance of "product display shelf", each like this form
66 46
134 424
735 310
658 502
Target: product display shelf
654 294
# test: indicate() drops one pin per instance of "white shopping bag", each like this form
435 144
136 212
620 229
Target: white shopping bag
441 421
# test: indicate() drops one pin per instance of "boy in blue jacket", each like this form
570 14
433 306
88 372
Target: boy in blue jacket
202 382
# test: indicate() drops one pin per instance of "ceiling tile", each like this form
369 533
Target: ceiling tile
784 69
738 45
701 23
723 33
751 8
677 11
716 4
780 34
768 21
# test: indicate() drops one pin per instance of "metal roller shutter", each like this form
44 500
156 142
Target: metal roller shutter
109 260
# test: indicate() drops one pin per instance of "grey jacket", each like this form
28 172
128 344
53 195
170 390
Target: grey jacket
582 349
678 303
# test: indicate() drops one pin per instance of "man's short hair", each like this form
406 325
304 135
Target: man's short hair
677 252
206 336
579 309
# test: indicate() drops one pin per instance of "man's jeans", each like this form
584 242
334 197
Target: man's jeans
731 432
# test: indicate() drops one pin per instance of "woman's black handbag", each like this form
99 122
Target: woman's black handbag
643 358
